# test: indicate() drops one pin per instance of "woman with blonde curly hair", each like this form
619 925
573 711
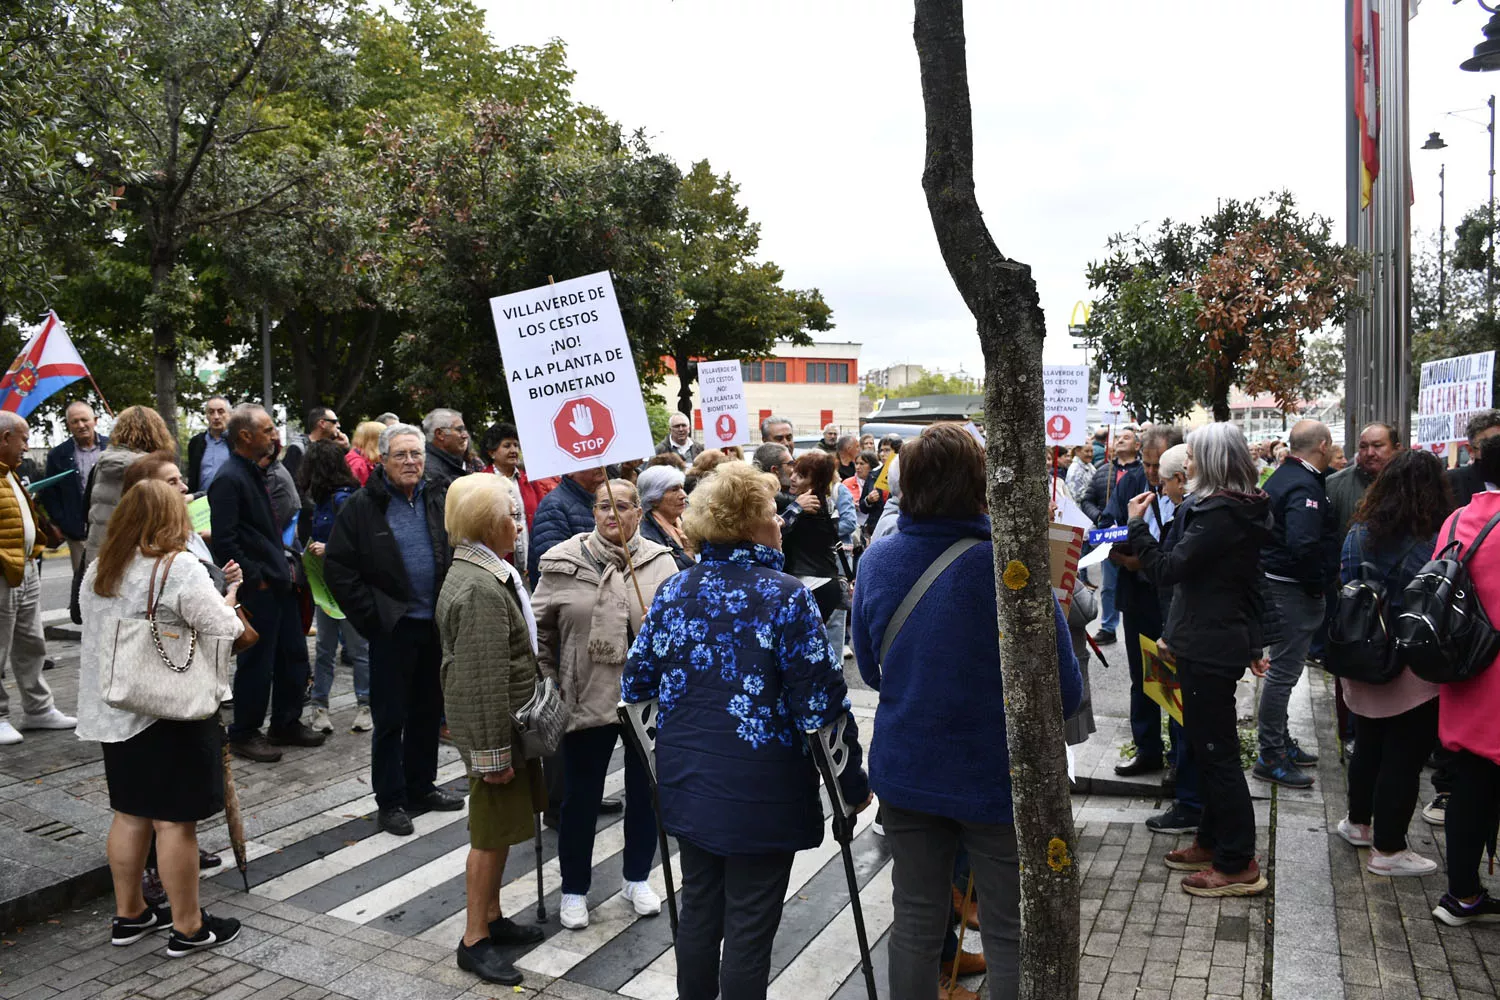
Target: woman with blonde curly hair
138 431
735 652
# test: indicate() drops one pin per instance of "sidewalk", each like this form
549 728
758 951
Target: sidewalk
340 910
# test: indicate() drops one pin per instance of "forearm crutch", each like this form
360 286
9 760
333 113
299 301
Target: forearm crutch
831 756
638 724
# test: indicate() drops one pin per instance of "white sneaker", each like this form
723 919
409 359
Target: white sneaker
8 734
1436 811
50 719
320 720
878 827
1358 834
645 900
1401 863
574 912
362 721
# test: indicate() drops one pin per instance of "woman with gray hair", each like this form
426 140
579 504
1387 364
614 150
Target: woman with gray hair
663 499
1214 630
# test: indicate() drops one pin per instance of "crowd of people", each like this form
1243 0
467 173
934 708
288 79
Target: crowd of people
733 592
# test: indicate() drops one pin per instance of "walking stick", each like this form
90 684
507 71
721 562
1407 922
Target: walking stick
541 903
831 757
638 723
963 925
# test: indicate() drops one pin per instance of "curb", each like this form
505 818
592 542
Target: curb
47 900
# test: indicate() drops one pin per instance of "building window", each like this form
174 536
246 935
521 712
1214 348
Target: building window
750 370
817 371
773 371
828 371
838 373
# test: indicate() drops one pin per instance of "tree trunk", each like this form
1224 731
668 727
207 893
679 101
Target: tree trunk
164 340
1003 298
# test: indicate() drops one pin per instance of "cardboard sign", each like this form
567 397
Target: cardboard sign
573 383
1065 545
1450 391
1066 388
1111 397
1159 679
721 397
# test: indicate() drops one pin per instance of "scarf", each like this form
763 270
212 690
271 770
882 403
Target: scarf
617 614
672 530
484 557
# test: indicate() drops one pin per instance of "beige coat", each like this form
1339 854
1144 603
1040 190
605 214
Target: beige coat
564 606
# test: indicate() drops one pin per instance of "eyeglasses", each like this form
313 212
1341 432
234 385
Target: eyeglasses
618 508
405 456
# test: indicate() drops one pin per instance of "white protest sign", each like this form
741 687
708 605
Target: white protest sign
721 397
1111 397
573 384
1066 389
1450 391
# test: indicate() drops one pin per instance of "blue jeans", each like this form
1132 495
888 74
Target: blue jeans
586 754
836 627
1301 614
1109 620
329 630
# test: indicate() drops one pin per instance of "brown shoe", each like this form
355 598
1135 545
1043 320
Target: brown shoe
970 963
1212 882
1192 858
254 747
955 991
971 916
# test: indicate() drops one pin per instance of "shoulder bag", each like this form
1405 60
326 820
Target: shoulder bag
160 666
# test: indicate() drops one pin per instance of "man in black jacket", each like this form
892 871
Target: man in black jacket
1464 481
64 500
385 564
1101 490
209 450
1300 562
274 670
447 446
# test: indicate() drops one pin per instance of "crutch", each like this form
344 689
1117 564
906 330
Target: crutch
831 756
541 903
638 723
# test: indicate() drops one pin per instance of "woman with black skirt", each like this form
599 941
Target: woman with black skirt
163 775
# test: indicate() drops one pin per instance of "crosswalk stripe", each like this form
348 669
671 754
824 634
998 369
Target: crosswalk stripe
821 968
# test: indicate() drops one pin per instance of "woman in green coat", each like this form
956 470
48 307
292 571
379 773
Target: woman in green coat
489 668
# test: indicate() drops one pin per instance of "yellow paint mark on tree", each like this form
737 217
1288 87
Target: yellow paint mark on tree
1057 855
1016 574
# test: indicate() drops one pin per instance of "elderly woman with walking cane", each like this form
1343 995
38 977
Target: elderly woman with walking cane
489 670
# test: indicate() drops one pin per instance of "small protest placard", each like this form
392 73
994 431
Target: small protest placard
1111 397
573 384
202 517
1450 391
721 397
1066 388
321 595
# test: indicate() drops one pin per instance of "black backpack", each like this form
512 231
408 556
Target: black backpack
1443 633
1361 644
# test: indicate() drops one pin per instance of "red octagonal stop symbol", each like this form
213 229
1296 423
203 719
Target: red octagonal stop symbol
584 428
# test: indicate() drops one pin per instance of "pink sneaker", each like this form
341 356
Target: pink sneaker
1401 863
1358 834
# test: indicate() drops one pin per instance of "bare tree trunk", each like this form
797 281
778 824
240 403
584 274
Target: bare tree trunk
164 352
1003 298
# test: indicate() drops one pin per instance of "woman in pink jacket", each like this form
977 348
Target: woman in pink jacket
1467 712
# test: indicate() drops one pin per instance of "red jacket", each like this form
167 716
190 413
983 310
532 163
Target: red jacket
532 490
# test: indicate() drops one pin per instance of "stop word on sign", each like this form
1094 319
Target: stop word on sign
724 427
1058 427
584 428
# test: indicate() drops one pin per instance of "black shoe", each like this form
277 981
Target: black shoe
214 932
1178 819
152 889
506 931
1139 765
207 860
296 735
439 800
610 806
123 932
1104 637
485 962
395 821
254 747
1301 757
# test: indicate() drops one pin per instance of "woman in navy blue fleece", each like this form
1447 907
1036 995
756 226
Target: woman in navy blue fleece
940 766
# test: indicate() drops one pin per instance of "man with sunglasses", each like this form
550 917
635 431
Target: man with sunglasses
322 425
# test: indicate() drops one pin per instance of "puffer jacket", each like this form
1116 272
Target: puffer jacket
567 511
104 494
489 669
13 530
564 609
736 655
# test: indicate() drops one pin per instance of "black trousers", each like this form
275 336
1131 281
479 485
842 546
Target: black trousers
1208 710
735 901
1470 821
273 671
1145 714
406 706
1386 772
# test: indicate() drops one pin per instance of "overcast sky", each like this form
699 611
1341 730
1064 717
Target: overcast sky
1089 118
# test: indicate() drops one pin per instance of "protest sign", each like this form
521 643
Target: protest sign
1451 389
1065 545
1066 389
573 384
721 398
199 512
1159 679
318 588
1111 397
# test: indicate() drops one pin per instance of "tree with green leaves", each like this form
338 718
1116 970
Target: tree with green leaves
1235 297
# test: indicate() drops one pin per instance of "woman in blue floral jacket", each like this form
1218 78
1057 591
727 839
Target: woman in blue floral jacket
735 651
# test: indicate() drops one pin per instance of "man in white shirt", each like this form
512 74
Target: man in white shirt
23 648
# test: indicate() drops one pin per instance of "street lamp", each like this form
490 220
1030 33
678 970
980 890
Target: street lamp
1435 141
1487 53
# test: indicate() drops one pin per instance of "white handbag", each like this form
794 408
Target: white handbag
159 665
